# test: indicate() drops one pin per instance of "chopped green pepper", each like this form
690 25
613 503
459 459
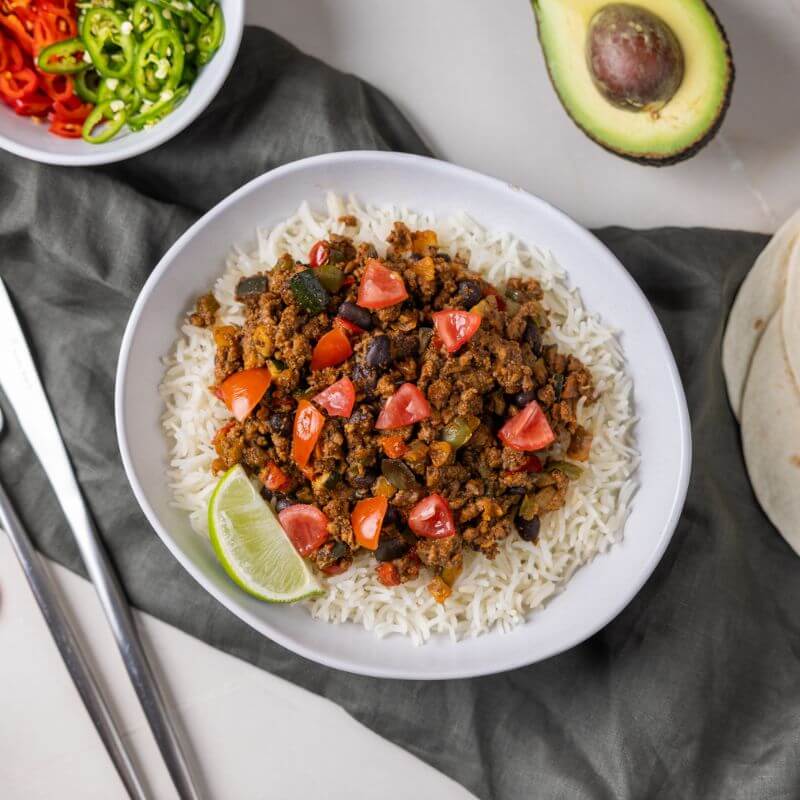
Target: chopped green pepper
308 291
210 37
330 277
398 473
457 433
101 114
570 470
64 57
112 51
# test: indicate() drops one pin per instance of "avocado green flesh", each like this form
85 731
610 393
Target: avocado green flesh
690 118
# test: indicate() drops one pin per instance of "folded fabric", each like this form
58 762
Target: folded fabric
692 692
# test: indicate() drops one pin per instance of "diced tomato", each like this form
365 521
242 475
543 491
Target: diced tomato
308 424
380 287
488 289
367 520
306 526
394 446
338 399
528 430
274 477
346 325
455 327
388 574
406 406
432 518
319 254
333 348
242 391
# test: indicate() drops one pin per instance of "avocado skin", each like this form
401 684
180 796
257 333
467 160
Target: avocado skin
687 152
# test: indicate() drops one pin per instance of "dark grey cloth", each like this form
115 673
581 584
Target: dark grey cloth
692 692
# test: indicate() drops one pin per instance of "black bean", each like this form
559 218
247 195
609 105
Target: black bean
364 482
280 423
378 354
391 517
391 547
495 422
365 378
339 550
523 398
519 490
248 287
533 337
283 502
529 528
469 292
357 315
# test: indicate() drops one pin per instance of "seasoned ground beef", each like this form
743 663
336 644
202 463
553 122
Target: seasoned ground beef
428 366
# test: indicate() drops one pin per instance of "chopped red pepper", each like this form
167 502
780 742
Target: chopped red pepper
367 520
242 391
488 289
388 574
394 446
306 526
338 399
527 430
319 254
333 348
455 327
406 406
380 287
308 424
350 327
274 477
432 518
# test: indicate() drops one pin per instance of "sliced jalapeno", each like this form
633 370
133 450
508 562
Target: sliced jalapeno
150 114
115 89
211 35
87 84
159 64
105 116
146 18
112 51
63 57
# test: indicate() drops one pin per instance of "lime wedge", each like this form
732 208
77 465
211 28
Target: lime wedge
252 546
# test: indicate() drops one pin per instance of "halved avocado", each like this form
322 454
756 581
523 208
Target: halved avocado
649 81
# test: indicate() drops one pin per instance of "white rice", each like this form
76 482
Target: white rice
488 594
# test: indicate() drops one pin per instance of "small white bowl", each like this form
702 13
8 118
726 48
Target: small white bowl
22 136
597 592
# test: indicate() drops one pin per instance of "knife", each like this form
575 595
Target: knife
23 388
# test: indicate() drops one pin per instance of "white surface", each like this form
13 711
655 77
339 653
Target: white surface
483 54
597 592
19 135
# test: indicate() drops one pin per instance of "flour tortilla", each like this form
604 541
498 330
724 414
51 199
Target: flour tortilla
790 316
760 296
771 434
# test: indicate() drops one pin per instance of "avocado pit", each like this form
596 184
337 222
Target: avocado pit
634 57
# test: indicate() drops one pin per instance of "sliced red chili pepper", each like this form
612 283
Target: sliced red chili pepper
17 84
308 424
306 526
346 325
32 105
367 520
59 87
72 110
16 28
274 477
332 349
380 286
406 406
242 391
319 254
388 574
14 58
338 399
45 32
488 289
432 518
527 430
455 327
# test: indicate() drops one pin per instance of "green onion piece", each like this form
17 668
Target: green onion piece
308 291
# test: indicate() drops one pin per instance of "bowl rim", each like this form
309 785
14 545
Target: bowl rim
345 664
140 142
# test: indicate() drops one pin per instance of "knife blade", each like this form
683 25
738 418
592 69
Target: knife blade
20 381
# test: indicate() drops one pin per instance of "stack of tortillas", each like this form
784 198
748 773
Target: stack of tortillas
761 362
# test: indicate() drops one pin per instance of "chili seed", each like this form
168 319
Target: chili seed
357 315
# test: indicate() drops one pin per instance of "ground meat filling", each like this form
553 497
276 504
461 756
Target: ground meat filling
465 392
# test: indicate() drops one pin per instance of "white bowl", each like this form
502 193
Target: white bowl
20 135
597 592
